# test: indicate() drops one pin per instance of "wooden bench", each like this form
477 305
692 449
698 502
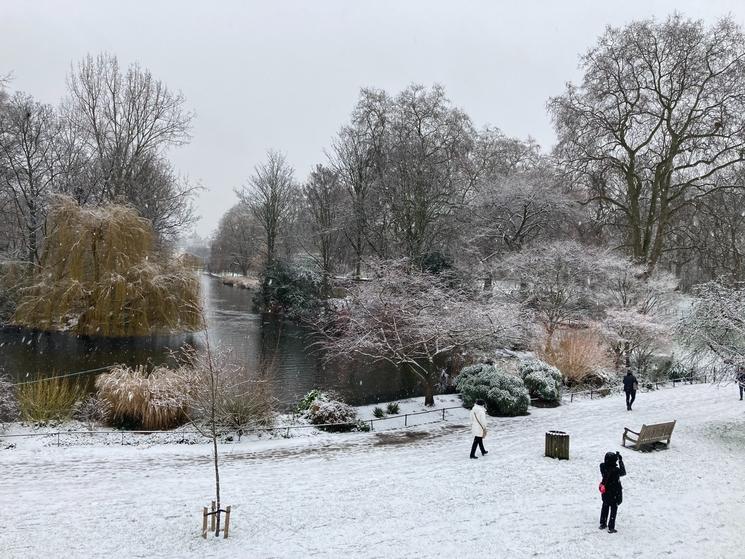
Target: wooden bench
649 434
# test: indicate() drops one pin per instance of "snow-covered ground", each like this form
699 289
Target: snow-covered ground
397 493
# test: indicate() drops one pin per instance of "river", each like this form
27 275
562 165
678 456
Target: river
233 327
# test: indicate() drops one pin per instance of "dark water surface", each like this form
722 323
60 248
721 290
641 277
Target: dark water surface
232 326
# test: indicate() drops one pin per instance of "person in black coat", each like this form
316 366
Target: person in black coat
611 489
741 380
630 385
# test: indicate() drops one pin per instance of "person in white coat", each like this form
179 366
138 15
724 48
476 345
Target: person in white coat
478 428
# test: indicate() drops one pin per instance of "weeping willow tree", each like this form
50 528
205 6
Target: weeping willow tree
99 276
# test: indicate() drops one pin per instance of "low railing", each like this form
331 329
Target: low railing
643 384
278 428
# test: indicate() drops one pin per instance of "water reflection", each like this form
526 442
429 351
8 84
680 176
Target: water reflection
232 326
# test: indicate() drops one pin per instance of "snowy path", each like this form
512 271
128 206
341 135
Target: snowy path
398 494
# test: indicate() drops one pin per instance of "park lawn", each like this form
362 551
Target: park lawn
395 492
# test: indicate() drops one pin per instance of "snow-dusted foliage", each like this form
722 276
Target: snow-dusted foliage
306 401
716 322
99 276
503 393
637 333
325 411
564 282
321 408
8 402
138 399
633 288
292 287
92 410
542 380
409 318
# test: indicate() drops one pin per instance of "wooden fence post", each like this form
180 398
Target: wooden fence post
204 522
227 521
212 517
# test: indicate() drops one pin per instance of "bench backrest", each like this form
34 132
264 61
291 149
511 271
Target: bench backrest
656 432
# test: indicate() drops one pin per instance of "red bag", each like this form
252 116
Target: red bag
601 488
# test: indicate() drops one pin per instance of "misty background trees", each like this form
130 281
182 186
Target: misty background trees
640 200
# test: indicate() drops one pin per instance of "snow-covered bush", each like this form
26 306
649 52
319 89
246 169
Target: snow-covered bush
323 411
503 393
8 403
91 410
542 380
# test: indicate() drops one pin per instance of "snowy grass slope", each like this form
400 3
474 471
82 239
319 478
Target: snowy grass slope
399 493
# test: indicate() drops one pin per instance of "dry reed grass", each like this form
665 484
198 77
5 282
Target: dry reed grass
49 399
580 355
137 399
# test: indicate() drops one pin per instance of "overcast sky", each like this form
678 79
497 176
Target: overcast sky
286 74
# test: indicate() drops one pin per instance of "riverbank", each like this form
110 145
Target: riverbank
401 492
233 325
235 280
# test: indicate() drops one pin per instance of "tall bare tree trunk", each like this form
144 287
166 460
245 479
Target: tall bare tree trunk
217 482
429 392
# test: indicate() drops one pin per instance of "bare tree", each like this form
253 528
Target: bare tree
222 397
270 195
127 121
29 161
563 282
323 196
358 159
635 335
411 318
428 141
237 242
716 322
513 209
659 115
711 237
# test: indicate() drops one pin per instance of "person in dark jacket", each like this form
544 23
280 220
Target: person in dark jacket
630 385
611 469
741 380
